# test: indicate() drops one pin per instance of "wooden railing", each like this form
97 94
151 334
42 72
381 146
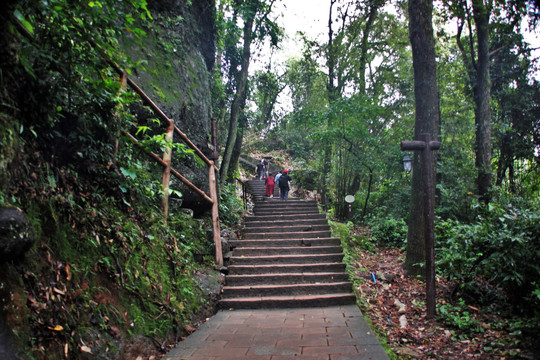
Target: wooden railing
164 161
243 185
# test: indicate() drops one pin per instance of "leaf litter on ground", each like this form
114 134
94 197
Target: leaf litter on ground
395 305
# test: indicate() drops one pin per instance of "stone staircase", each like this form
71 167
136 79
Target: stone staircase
258 190
287 258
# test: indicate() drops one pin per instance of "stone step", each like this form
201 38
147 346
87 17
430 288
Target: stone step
289 289
286 211
270 228
326 241
285 268
284 217
283 223
290 250
275 202
272 302
289 235
286 259
286 278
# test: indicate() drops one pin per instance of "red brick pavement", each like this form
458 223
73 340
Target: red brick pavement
330 333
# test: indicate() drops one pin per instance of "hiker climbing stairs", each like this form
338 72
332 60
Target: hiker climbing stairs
258 190
287 258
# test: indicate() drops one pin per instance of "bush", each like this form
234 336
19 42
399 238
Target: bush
389 232
306 179
500 248
352 240
230 206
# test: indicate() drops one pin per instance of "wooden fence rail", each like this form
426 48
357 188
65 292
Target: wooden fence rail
165 161
167 170
167 157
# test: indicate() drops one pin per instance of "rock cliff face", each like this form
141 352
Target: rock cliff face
179 51
102 271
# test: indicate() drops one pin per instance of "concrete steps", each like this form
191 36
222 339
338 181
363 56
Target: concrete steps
286 278
285 242
286 228
291 250
287 258
288 235
294 289
285 268
280 302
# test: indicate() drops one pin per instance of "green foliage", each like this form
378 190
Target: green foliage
501 247
105 269
388 232
459 317
111 255
352 240
230 205
305 179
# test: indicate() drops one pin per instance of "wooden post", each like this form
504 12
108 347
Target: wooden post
212 183
167 157
215 153
123 85
426 146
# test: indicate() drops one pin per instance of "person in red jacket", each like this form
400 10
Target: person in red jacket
270 183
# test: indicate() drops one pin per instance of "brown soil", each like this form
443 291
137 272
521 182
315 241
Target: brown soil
395 305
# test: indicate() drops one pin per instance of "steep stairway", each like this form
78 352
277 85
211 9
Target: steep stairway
258 190
287 258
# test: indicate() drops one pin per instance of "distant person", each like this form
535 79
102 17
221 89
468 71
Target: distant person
284 188
270 184
260 170
276 180
265 163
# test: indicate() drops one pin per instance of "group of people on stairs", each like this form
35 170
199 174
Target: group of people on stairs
282 179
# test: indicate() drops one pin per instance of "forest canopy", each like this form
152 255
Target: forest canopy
334 113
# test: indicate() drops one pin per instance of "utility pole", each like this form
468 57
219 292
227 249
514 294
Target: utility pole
426 146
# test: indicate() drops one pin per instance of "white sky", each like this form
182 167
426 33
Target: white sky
308 16
311 17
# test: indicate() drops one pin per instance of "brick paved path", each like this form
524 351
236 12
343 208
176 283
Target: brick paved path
285 266
329 333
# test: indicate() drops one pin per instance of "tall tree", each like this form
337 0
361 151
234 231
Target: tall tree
256 26
475 21
477 63
516 107
346 60
427 120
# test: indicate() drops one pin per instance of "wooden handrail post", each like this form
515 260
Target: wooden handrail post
215 214
167 156
123 86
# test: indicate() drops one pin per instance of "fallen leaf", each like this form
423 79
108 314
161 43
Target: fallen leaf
58 291
68 272
86 349
56 328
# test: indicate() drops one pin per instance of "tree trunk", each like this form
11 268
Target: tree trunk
373 10
333 94
482 97
238 99
237 150
427 121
